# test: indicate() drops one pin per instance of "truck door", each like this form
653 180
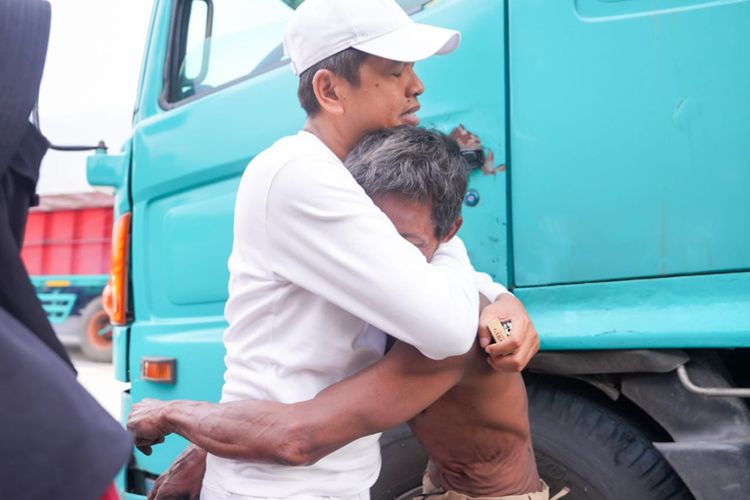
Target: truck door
629 141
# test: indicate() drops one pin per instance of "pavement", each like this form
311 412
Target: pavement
99 380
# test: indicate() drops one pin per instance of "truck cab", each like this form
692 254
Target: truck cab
608 191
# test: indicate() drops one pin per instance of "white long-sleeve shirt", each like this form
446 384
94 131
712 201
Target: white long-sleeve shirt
314 261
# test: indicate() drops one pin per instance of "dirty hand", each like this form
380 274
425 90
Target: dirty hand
514 352
147 422
184 477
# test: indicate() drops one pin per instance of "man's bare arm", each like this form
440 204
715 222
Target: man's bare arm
183 479
383 395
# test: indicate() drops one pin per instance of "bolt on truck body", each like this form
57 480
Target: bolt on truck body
612 195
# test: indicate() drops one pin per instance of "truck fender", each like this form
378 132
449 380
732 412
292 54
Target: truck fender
710 434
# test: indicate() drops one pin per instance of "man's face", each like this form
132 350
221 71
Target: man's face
386 96
413 220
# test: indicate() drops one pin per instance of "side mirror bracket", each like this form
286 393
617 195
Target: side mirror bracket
103 169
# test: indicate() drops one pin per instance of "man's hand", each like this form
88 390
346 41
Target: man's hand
147 421
183 479
514 352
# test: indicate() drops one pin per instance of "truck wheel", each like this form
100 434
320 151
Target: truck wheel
95 346
585 445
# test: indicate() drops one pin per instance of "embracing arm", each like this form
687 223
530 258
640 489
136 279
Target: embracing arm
515 352
383 395
354 258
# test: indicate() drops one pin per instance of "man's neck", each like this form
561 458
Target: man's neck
338 138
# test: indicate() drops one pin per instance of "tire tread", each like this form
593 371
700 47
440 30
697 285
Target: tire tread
600 441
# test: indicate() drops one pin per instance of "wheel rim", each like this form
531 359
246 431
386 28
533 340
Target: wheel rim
97 323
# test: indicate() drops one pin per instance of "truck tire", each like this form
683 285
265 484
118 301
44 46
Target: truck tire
95 347
587 446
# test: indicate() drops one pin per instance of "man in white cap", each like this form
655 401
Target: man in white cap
314 262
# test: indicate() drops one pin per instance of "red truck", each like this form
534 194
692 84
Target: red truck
67 252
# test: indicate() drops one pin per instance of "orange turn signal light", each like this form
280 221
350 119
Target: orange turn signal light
162 370
117 302
108 299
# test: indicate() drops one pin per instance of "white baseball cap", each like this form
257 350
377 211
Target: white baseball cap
322 28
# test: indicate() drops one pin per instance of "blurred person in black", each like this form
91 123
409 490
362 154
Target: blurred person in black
56 441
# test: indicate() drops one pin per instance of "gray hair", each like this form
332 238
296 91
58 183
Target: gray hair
419 164
345 64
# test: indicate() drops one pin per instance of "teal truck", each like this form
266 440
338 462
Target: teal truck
611 193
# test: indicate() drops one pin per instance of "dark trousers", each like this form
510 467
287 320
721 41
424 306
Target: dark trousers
56 441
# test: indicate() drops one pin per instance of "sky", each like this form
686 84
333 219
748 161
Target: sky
89 83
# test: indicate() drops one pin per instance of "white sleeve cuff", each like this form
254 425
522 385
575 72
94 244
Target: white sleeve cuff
489 288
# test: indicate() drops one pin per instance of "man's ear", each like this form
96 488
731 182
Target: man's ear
454 229
327 88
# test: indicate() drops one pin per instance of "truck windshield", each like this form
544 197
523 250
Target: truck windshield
410 6
244 40
226 41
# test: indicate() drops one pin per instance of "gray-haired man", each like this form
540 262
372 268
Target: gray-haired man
477 434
